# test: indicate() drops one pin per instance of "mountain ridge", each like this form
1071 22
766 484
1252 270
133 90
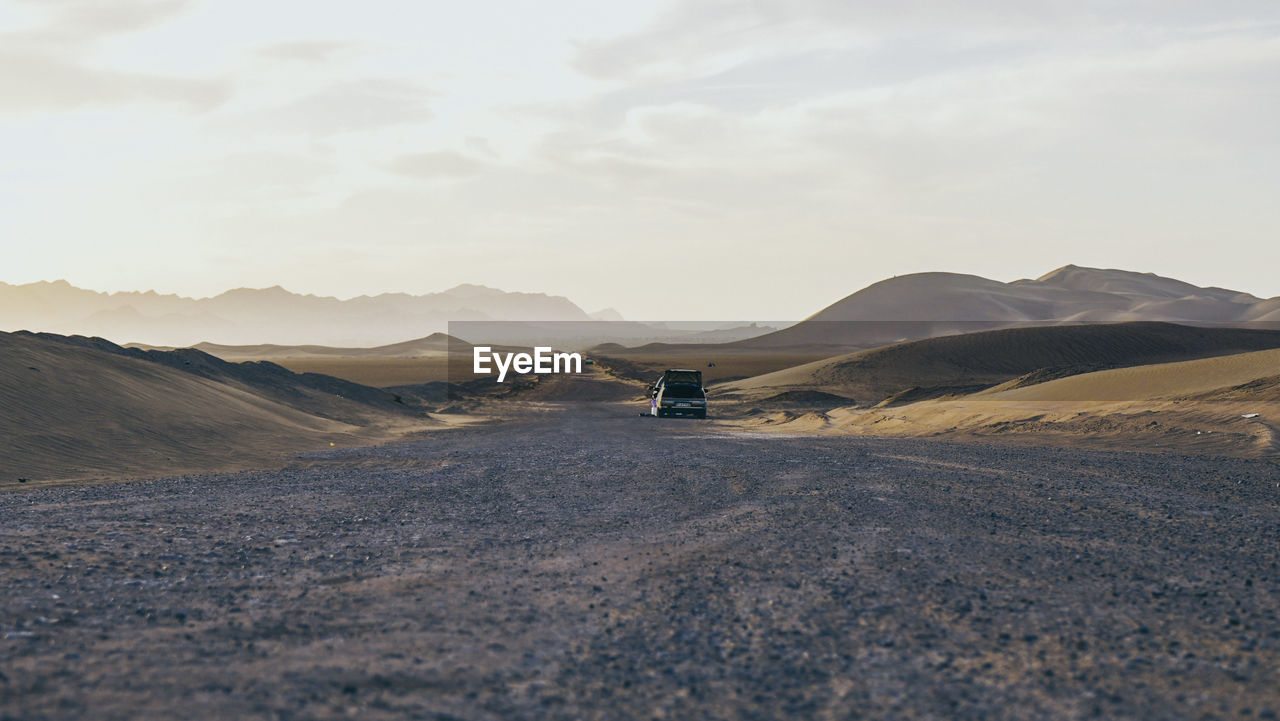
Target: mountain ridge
895 309
243 316
921 305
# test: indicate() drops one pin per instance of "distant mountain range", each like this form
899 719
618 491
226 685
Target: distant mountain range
267 315
923 305
253 317
906 307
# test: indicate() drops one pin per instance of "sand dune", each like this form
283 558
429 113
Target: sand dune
1225 404
69 409
1208 427
1204 379
968 363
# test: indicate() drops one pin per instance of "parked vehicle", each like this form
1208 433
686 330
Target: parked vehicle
678 392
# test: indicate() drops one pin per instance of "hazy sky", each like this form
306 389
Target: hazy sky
687 159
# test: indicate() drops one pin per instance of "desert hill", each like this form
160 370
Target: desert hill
968 363
77 407
924 305
316 393
608 314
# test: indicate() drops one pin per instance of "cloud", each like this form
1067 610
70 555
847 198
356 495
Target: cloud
347 106
236 178
97 18
434 165
969 132
34 81
74 24
481 146
304 51
46 68
697 38
690 33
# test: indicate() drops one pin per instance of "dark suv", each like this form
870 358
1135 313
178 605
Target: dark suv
678 393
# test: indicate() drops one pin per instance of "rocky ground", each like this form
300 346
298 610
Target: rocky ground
580 562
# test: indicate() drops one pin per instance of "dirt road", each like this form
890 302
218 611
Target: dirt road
583 562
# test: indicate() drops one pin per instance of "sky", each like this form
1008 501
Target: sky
682 159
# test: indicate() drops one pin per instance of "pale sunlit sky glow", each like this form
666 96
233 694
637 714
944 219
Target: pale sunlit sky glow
766 157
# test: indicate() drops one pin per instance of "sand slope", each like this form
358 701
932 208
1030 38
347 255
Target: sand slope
69 410
1227 405
969 363
315 393
1204 379
1209 427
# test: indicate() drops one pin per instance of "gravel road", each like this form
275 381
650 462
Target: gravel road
581 562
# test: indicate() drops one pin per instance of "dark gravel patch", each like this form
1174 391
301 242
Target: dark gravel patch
592 564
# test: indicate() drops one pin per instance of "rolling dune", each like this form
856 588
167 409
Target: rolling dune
1222 405
1204 379
968 363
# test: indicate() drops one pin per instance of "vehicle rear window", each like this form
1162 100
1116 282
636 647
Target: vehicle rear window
693 377
682 390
